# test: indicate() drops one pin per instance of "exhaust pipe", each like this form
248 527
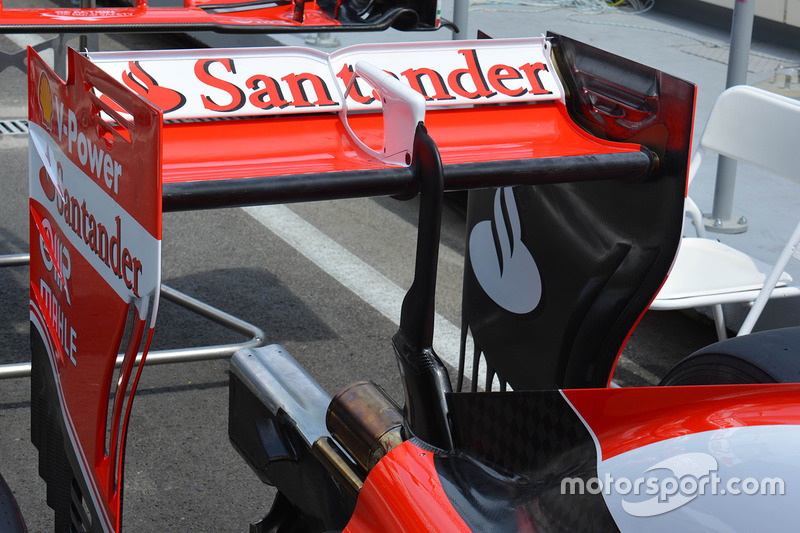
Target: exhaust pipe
287 428
366 422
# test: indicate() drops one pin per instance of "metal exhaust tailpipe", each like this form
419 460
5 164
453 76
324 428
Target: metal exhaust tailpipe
276 405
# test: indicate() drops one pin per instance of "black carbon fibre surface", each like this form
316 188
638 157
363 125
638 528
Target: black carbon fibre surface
56 462
599 250
515 450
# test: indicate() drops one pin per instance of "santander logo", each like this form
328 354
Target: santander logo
191 84
503 265
139 81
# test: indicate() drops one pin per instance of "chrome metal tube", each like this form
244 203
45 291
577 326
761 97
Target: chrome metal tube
14 260
179 355
366 422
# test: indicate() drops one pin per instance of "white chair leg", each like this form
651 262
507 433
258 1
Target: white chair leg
696 215
719 322
769 284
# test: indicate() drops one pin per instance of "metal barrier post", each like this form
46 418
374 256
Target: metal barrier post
721 220
461 19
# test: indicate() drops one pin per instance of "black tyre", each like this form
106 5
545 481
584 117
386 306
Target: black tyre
715 369
10 517
764 357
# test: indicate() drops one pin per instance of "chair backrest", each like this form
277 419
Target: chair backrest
757 127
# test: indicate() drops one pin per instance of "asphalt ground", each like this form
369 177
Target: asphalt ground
181 472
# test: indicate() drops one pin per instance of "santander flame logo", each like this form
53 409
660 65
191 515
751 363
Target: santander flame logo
139 81
503 265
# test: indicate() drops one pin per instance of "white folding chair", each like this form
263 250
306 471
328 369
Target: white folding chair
759 128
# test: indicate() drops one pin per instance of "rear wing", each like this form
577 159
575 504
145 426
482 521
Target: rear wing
227 16
493 107
221 128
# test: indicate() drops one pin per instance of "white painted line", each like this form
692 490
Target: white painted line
634 367
362 279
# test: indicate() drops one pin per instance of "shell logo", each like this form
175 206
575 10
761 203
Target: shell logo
46 101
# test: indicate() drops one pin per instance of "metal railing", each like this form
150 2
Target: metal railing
160 357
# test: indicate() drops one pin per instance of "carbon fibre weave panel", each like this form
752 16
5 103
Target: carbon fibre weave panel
516 448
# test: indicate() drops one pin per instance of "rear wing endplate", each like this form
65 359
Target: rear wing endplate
95 270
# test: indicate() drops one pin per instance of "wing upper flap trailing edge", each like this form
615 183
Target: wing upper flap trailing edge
95 210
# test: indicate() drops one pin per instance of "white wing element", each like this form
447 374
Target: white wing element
505 268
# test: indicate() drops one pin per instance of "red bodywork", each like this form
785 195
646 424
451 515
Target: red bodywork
320 144
629 418
404 491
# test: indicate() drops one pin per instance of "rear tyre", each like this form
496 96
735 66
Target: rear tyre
765 357
10 516
715 369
